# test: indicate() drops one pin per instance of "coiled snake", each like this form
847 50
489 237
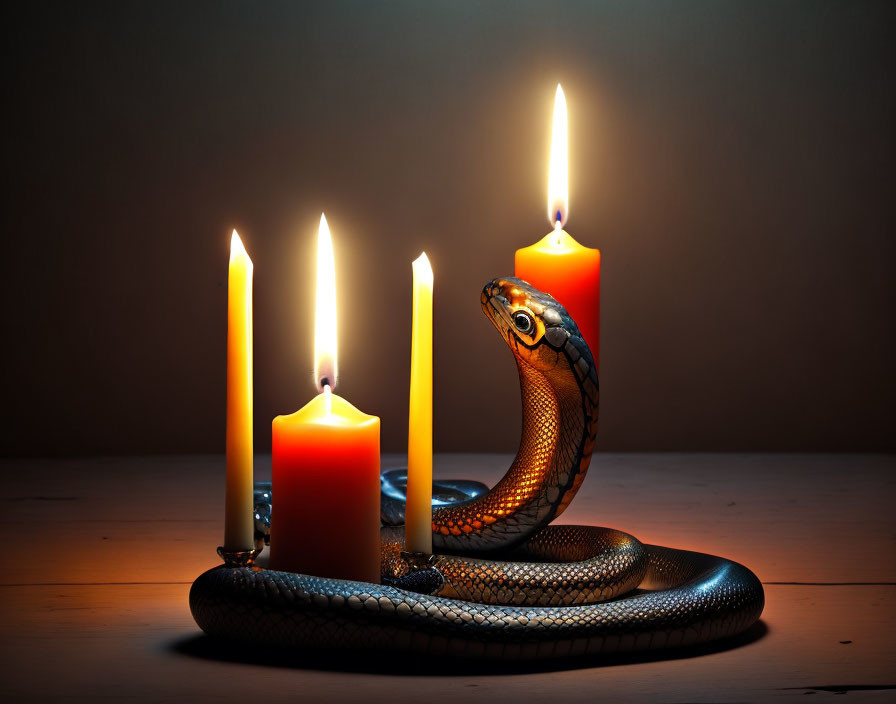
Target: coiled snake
504 583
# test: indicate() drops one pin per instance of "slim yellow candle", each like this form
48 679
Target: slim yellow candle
239 530
418 514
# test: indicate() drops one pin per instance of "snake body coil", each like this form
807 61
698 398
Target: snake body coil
509 585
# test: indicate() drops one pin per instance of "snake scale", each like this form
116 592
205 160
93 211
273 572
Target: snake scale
504 583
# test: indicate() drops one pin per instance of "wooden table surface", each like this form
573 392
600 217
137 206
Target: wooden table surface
94 598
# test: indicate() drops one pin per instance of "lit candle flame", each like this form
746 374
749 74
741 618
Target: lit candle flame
558 175
237 250
325 367
422 269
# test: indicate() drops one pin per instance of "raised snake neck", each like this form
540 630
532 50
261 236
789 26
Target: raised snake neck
559 389
539 598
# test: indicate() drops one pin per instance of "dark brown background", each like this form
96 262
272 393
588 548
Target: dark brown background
733 162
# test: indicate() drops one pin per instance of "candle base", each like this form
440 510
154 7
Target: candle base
238 558
418 561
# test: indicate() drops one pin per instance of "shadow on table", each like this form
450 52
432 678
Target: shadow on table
375 663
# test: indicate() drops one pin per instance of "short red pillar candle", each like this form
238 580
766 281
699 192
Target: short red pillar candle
570 272
325 519
325 516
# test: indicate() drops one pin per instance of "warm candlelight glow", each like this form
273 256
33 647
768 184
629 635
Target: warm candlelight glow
325 368
422 269
558 174
237 250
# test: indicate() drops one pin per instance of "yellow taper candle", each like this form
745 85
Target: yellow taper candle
418 513
239 529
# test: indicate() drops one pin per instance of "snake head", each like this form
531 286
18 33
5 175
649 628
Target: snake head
535 326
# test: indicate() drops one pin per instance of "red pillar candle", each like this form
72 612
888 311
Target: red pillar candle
570 272
325 519
557 264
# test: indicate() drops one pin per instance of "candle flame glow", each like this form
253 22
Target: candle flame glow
325 367
422 269
558 174
237 249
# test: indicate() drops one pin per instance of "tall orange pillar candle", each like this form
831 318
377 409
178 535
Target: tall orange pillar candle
325 519
239 527
557 264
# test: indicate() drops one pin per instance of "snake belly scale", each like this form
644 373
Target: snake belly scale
509 584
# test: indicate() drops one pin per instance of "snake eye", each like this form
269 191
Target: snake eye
523 322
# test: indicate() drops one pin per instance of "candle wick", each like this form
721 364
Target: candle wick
558 228
328 397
